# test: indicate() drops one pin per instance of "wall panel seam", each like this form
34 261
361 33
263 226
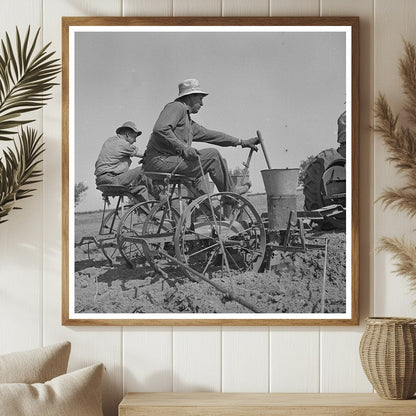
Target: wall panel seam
122 360
221 359
42 279
172 357
320 359
374 156
269 352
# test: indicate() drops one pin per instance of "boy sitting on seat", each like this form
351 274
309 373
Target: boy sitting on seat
113 164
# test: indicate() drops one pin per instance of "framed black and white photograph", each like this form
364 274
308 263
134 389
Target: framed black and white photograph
210 171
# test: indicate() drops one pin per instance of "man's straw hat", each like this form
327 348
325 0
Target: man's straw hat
129 125
190 86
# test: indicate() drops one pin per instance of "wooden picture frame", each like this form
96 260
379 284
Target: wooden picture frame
284 80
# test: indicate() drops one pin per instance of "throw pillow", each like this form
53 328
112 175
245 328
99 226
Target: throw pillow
73 394
35 366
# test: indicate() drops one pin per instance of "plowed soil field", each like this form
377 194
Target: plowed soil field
296 282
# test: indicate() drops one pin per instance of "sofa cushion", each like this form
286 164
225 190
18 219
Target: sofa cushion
35 366
73 394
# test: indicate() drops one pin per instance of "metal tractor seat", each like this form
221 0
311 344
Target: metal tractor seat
170 178
165 185
121 191
114 190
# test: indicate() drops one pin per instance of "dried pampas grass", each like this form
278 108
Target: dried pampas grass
401 143
405 254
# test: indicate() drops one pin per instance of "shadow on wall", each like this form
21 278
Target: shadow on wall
112 393
160 381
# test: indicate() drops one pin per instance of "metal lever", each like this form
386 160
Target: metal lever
264 149
246 164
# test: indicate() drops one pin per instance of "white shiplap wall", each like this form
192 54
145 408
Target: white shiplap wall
260 359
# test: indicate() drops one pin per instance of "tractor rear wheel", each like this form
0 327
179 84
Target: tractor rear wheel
313 188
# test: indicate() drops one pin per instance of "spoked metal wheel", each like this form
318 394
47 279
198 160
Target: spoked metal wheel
107 237
158 230
220 232
130 230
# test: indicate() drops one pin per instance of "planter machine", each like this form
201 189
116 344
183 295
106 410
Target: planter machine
214 234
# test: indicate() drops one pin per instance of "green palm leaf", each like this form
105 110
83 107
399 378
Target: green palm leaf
20 170
26 77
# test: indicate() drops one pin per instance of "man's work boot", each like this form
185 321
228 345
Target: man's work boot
243 189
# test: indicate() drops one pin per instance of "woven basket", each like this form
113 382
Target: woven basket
388 356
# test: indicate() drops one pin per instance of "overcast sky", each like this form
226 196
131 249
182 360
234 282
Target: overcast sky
289 85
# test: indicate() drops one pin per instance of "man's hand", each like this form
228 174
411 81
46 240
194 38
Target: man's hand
138 153
190 153
251 143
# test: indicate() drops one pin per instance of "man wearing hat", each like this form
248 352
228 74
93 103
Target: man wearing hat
342 134
170 145
114 160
